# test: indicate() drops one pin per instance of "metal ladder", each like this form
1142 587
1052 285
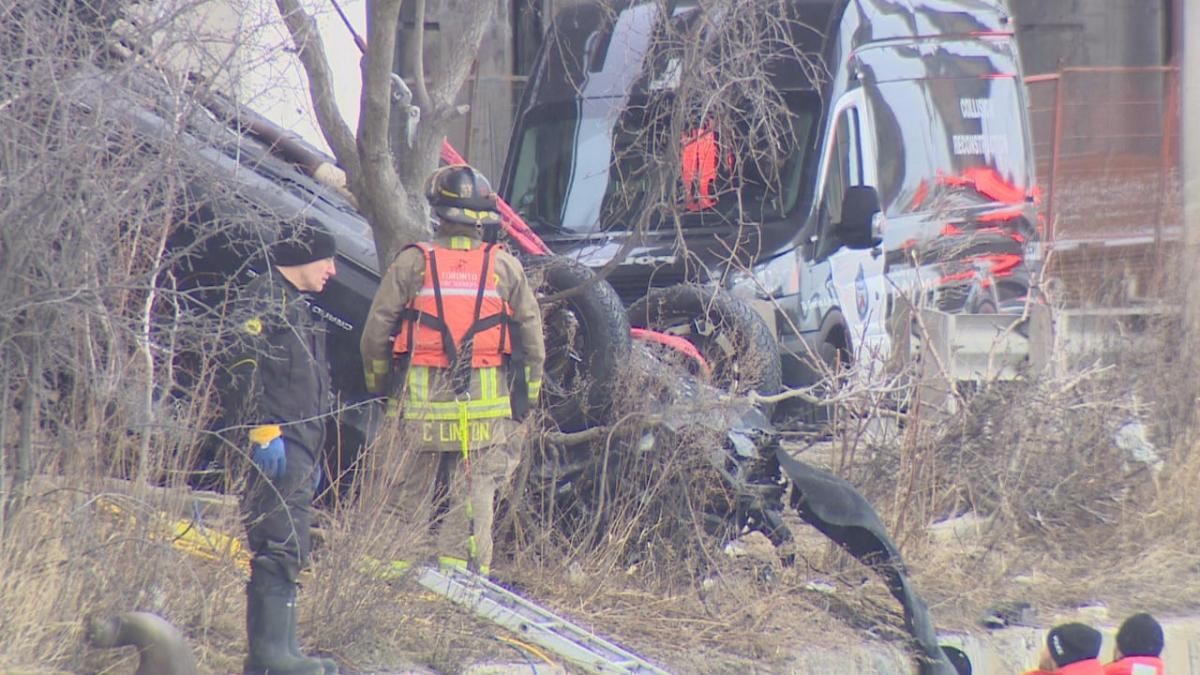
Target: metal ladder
533 623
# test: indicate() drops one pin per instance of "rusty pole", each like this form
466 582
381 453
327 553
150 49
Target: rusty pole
1190 260
1052 186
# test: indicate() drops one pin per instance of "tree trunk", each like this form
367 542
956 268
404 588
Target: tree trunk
386 175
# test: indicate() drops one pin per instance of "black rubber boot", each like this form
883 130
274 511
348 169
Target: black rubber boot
329 665
269 631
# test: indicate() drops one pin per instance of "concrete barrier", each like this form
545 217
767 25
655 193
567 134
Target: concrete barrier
1007 651
1011 651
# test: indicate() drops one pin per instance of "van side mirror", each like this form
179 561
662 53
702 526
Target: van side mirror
857 229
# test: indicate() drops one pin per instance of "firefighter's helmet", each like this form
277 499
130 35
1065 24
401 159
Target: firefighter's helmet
460 194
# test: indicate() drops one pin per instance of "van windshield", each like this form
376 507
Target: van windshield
585 166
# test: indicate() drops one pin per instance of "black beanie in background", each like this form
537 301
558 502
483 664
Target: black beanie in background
1140 635
1073 642
301 245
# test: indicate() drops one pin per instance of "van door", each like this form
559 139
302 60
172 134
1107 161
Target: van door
843 289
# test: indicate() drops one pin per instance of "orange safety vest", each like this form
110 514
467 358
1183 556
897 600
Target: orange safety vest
458 306
699 158
1136 665
699 169
1086 667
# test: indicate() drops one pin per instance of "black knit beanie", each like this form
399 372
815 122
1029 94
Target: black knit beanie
1073 642
302 244
1140 635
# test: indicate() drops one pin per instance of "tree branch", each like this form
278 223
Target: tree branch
311 51
422 91
374 146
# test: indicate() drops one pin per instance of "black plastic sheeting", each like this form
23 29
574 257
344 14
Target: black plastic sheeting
839 511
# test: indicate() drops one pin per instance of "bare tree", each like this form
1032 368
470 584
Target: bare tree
98 171
400 129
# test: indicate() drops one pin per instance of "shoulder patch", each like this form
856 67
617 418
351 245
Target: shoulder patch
253 326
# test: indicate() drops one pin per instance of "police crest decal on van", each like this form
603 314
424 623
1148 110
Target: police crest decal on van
860 293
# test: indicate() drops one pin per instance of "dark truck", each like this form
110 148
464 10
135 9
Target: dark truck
908 176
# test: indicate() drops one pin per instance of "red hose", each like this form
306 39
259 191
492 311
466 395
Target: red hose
532 244
512 222
675 342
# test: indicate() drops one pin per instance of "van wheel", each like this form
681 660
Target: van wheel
587 340
835 358
823 368
735 341
823 376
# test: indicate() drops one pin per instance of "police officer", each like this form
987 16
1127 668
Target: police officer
276 399
465 364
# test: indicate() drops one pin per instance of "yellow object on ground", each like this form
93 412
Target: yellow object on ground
187 535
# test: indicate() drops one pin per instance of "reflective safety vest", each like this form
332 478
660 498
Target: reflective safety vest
488 403
699 169
699 158
457 310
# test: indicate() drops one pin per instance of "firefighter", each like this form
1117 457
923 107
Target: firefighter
276 397
464 365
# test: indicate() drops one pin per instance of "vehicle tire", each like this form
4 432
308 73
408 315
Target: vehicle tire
587 340
730 335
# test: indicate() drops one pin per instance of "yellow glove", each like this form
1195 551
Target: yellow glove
262 435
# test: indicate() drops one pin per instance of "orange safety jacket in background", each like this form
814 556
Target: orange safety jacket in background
1136 665
457 302
1087 667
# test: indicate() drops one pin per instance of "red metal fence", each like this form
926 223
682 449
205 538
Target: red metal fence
1107 148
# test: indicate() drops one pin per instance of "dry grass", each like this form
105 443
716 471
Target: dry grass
635 560
1064 517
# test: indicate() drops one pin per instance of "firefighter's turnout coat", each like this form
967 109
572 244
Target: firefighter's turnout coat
432 295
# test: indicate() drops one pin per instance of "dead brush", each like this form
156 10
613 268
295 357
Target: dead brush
1036 482
76 551
99 419
631 541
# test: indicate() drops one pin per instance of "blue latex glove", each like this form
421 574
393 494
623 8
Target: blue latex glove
270 458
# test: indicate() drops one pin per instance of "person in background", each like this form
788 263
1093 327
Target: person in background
1070 649
1139 646
275 396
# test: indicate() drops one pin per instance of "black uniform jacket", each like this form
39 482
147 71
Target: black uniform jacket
276 371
